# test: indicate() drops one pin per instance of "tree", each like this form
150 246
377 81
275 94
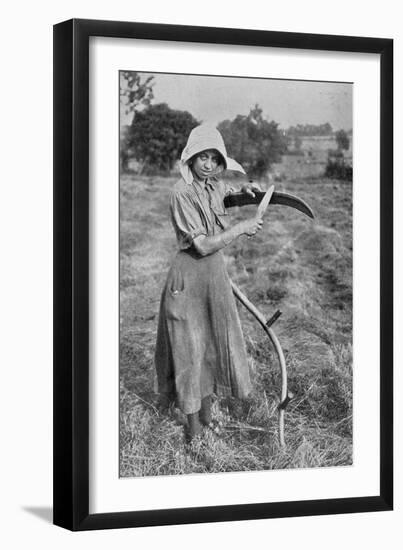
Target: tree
134 93
343 141
253 141
157 136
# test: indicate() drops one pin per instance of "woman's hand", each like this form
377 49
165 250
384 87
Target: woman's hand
208 245
252 226
250 188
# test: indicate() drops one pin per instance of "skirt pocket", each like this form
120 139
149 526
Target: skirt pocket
175 305
175 298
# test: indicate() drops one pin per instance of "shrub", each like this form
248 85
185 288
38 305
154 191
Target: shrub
338 167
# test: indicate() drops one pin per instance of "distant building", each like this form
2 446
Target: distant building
316 143
308 156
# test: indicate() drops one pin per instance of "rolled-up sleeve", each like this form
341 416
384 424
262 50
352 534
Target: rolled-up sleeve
186 219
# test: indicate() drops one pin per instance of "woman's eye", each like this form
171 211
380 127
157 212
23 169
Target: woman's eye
214 160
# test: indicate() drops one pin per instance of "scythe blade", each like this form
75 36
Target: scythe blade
278 197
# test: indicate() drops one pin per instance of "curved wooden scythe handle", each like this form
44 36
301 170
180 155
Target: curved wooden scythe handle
270 333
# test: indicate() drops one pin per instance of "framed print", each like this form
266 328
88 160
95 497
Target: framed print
223 319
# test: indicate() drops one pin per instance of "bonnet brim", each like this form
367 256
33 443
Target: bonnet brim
200 139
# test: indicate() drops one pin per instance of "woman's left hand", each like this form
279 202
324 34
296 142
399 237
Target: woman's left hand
250 188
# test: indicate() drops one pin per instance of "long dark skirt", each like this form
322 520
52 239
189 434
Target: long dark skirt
200 346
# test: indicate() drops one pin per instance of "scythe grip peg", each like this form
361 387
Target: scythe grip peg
273 318
284 403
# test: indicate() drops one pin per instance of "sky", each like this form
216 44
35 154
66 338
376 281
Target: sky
287 102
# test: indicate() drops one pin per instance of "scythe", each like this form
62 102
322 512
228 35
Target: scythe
242 199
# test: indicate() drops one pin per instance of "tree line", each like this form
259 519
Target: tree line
157 133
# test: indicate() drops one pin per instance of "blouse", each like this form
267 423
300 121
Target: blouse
198 209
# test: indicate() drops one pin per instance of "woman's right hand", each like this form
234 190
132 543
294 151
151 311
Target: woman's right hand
252 226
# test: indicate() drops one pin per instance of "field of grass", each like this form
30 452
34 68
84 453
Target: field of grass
300 266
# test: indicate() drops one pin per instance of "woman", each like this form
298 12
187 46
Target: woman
200 348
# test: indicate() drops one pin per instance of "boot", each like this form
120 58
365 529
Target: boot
205 411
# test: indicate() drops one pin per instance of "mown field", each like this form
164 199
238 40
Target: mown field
300 266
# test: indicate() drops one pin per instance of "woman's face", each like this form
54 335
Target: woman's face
207 163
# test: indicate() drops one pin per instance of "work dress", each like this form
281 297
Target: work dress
200 347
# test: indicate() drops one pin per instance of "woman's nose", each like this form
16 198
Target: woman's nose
207 163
